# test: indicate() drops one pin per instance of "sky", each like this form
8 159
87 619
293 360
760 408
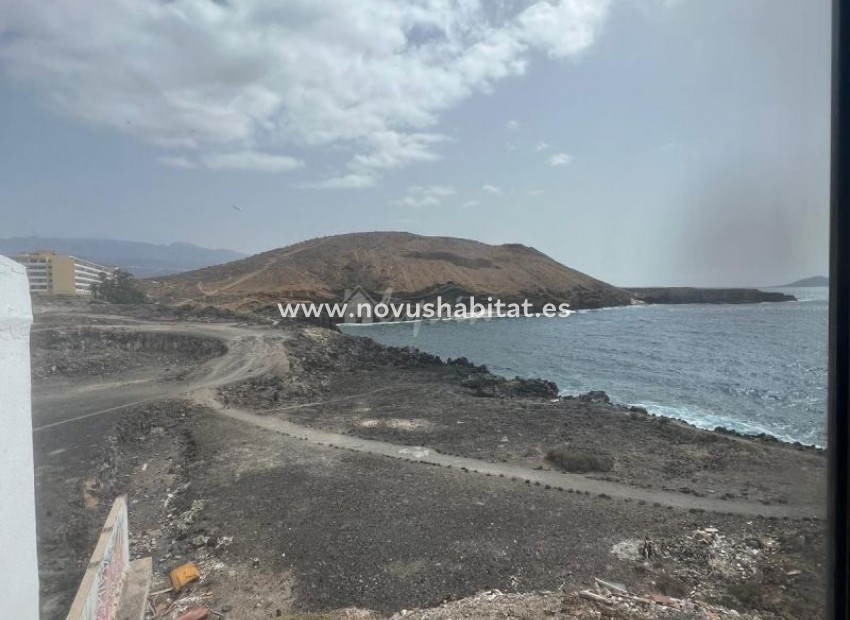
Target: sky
645 142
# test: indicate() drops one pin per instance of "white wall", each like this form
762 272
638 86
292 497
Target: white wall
18 564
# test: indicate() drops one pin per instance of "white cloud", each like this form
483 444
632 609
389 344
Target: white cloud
391 149
419 201
429 196
541 146
560 159
512 125
177 161
491 189
535 192
562 28
369 76
346 181
441 190
251 160
469 203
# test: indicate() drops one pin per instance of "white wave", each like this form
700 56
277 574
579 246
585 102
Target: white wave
701 418
708 420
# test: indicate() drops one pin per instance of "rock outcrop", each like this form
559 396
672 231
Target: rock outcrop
690 295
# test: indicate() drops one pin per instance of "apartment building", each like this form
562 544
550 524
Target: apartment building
51 273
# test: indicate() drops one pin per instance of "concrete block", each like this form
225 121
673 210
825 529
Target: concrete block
137 585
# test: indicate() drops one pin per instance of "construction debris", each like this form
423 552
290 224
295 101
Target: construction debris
198 613
598 604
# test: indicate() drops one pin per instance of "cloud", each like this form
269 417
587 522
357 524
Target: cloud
469 204
441 190
392 149
429 196
491 189
541 146
560 159
251 160
368 77
512 125
237 160
177 161
535 192
347 181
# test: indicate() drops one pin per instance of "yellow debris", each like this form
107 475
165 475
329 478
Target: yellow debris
183 574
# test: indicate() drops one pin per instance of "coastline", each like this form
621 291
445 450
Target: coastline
691 413
762 434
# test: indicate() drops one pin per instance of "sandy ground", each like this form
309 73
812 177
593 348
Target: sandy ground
282 526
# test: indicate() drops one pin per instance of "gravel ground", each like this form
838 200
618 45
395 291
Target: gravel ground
431 408
280 524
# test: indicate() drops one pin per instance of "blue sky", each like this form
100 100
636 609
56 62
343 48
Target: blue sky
666 142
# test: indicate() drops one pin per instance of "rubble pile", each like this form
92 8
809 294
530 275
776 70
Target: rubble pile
600 602
746 572
709 562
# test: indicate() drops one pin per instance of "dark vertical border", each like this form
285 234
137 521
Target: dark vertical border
839 312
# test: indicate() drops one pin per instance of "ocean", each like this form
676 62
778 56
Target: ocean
754 368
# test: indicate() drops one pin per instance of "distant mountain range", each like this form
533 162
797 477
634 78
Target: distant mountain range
808 282
141 259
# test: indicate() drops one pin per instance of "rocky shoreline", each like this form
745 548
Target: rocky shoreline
691 295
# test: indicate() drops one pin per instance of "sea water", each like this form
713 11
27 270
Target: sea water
753 368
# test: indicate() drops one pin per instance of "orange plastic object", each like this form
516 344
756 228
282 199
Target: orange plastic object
183 574
199 613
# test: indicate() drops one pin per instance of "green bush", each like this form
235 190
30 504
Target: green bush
119 289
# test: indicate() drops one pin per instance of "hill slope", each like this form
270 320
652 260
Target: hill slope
140 259
806 282
412 266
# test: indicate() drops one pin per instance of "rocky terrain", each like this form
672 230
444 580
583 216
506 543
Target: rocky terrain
88 351
459 408
412 267
310 474
280 533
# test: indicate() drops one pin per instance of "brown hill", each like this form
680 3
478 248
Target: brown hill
412 266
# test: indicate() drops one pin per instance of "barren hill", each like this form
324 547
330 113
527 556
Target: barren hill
414 267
